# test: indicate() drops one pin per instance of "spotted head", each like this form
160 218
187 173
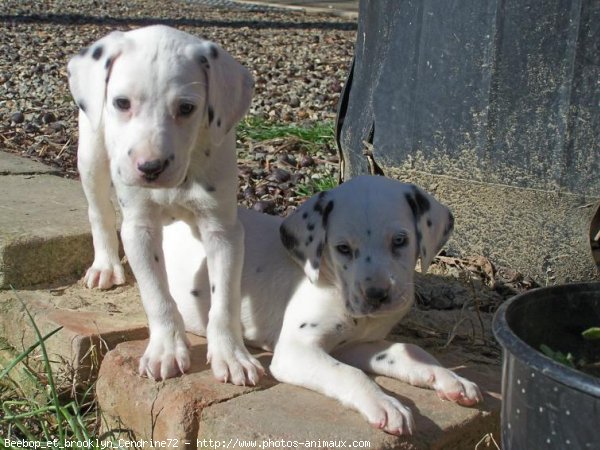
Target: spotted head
365 237
154 96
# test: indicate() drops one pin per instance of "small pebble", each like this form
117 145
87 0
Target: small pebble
264 206
280 175
17 117
48 118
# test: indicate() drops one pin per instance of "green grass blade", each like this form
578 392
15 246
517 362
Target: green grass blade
47 367
26 352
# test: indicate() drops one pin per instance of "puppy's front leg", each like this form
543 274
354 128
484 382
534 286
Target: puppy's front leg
167 353
413 365
229 358
311 367
93 165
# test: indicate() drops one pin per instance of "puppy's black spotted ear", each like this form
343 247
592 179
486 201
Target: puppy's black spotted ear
89 73
230 87
433 222
304 233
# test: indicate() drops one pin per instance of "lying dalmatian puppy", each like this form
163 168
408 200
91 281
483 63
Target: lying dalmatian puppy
157 115
323 288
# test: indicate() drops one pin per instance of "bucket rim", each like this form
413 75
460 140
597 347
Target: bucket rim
519 349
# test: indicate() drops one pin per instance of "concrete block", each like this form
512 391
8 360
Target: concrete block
44 230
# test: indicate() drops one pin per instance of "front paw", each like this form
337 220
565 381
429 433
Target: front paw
388 414
104 275
167 355
232 362
450 386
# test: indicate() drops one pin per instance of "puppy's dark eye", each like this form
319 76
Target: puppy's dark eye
122 103
344 249
399 240
186 109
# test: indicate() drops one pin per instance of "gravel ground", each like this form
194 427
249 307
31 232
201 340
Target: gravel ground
299 62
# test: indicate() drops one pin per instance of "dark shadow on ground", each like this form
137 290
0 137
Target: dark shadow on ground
82 19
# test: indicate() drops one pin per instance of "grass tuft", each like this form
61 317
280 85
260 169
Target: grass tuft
45 417
314 136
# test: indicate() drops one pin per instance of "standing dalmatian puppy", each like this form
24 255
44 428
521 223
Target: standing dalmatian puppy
157 115
324 287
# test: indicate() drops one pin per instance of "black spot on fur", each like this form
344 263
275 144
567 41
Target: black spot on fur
259 269
381 356
303 324
171 157
212 288
314 263
320 249
97 53
339 327
185 179
429 223
419 204
195 292
210 188
356 253
313 325
308 241
368 232
299 254
368 259
355 321
203 61
326 212
345 267
424 251
83 51
219 122
310 226
214 52
81 105
391 362
288 240
108 63
305 215
156 258
207 152
129 152
211 114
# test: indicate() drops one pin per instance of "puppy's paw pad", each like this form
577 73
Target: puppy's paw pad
165 358
456 389
235 365
389 415
104 276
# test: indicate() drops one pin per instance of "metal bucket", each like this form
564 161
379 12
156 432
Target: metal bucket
547 404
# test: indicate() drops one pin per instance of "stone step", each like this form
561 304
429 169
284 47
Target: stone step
198 411
44 230
92 321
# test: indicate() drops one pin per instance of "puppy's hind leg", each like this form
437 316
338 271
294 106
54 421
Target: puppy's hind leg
94 169
413 365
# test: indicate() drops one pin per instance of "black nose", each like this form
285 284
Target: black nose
152 169
376 295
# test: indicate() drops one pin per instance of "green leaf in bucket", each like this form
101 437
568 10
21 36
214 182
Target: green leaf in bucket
559 357
591 333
